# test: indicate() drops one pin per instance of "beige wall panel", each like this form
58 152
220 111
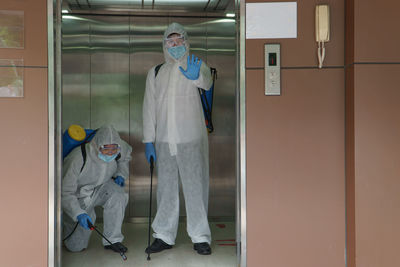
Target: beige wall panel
24 169
35 37
295 170
302 51
377 165
376 31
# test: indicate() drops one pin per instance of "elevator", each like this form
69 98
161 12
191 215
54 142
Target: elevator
107 49
105 63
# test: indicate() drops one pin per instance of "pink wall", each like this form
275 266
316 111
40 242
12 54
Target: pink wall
295 178
295 150
373 134
295 190
377 165
24 157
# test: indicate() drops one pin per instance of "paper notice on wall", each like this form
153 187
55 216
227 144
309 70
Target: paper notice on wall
11 29
11 78
271 20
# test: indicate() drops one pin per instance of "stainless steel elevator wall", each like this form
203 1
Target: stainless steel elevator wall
104 66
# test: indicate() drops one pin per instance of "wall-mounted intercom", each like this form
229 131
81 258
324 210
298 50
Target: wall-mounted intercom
272 53
322 31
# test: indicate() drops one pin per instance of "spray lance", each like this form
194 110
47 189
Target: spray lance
92 227
151 187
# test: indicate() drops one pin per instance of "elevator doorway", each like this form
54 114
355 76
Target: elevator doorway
105 59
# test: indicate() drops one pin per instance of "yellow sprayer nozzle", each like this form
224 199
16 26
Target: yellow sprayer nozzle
76 132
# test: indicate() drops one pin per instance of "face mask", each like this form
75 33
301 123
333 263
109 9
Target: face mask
177 51
107 158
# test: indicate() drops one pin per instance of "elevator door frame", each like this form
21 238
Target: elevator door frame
54 15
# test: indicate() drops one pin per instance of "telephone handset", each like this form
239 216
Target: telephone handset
322 31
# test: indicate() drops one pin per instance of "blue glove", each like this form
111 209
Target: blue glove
192 71
83 220
119 180
150 152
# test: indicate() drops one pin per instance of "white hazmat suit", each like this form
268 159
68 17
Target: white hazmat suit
173 119
82 190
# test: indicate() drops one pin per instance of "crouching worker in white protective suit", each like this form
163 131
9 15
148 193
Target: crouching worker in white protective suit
97 180
173 121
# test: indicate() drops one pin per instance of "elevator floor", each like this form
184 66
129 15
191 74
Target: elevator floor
181 255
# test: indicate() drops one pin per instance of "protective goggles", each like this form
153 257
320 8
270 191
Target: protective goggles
110 149
174 41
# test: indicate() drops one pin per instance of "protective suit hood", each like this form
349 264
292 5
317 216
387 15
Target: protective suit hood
175 28
106 135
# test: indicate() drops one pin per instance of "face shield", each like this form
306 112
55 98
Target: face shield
110 149
173 41
108 153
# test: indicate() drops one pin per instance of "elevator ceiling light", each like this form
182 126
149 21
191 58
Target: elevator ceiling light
181 1
215 6
230 15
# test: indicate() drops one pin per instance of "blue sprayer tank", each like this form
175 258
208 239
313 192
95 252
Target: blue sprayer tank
74 136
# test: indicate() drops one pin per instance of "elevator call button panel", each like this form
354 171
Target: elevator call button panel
272 69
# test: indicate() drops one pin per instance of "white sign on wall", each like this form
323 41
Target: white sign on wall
271 20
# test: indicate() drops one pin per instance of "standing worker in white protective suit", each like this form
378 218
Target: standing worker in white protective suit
173 121
94 175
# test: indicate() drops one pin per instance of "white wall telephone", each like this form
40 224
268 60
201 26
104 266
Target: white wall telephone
321 30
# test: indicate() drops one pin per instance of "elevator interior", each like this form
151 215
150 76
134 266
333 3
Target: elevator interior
107 49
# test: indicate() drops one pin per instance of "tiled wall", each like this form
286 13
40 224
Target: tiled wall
24 142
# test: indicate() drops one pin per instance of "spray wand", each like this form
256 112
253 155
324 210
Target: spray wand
92 227
151 188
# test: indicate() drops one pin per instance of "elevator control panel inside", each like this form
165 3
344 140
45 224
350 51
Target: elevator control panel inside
272 70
